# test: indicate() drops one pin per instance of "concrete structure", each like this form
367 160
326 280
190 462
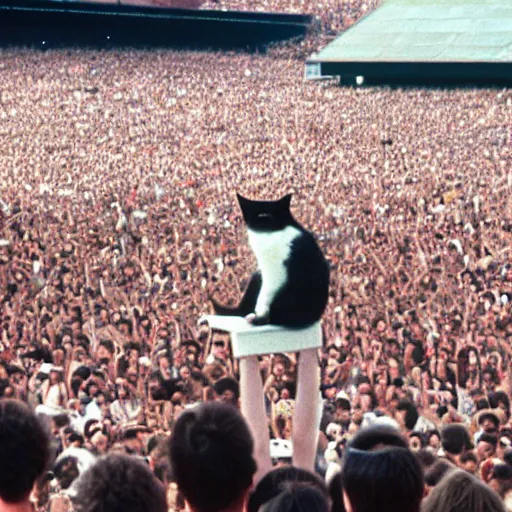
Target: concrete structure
423 41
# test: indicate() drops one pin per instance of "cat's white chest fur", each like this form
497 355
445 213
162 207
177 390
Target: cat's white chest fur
271 251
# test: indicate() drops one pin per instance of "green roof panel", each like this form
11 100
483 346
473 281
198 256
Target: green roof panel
454 39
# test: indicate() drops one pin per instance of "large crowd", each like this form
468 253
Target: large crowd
118 222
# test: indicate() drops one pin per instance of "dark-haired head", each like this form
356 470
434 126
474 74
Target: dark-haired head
24 451
409 413
382 480
298 497
377 436
211 457
455 439
426 457
435 473
336 494
120 483
500 400
507 456
502 472
501 479
278 480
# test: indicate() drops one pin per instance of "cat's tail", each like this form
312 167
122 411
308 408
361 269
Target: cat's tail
248 302
224 310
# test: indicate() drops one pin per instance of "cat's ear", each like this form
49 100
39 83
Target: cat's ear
245 206
285 201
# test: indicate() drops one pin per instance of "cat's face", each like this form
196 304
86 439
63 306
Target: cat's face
266 216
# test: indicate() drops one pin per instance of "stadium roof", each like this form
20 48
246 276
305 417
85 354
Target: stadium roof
47 23
464 41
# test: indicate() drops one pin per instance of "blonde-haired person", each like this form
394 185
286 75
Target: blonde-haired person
461 492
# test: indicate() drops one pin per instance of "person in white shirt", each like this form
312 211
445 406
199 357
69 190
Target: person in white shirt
53 390
126 408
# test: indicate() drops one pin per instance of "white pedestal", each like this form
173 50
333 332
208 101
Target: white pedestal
250 340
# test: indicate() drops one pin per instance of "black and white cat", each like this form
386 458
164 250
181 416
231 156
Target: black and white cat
290 287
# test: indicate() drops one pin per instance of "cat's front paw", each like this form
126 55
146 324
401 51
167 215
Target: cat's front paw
259 320
250 317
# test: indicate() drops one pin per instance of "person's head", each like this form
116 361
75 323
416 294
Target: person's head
134 439
461 492
99 442
501 479
227 390
434 439
211 457
105 351
279 369
156 387
378 436
394 476
66 471
279 480
435 473
426 457
486 446
500 400
407 414
24 451
371 453
120 483
455 439
298 498
489 422
122 389
55 375
469 462
184 372
343 408
504 444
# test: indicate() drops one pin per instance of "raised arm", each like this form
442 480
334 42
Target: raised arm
253 409
307 415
